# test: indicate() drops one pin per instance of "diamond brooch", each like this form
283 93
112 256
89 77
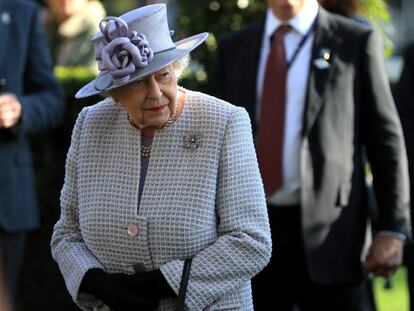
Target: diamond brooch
192 141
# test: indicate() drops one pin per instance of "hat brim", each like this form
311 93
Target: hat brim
160 60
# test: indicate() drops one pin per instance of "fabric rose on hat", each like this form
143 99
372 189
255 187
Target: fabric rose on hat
121 55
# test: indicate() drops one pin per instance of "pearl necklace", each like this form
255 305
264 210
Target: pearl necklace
146 150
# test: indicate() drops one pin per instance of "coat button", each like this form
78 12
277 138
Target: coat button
139 267
133 230
3 82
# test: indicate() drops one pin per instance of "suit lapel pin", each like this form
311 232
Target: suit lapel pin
5 18
192 141
323 61
326 54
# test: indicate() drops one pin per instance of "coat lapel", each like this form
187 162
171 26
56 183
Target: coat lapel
125 169
320 71
252 66
5 26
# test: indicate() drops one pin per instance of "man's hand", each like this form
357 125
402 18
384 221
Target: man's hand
384 255
10 110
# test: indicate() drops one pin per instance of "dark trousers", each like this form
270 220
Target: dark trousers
285 281
12 252
409 263
410 280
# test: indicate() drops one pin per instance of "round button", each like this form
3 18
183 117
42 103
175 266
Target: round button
133 230
3 81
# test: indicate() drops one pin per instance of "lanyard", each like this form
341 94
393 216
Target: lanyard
300 45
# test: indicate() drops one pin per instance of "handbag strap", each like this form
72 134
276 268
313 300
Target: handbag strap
183 285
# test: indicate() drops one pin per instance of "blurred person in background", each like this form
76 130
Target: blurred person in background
317 91
30 102
69 26
157 174
404 97
350 9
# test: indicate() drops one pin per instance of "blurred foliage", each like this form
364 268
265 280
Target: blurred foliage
71 78
221 18
395 297
117 8
377 13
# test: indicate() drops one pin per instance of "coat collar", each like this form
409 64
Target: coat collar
325 41
5 26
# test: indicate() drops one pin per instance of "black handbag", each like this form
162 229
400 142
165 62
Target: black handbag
183 285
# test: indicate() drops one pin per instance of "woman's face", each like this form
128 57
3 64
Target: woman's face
150 101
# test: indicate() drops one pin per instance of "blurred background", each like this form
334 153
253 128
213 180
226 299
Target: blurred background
42 287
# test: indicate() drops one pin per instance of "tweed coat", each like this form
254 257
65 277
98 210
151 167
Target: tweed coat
205 202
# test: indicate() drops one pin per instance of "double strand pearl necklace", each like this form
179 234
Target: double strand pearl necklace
146 150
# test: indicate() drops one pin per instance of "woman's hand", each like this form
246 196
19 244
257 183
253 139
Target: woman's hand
116 291
151 285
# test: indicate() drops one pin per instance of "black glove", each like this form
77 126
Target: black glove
151 285
115 290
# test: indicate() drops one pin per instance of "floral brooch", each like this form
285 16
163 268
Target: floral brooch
192 141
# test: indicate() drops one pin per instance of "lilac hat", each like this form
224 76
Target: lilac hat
135 45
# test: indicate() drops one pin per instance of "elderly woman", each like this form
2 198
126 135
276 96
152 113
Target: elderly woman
157 174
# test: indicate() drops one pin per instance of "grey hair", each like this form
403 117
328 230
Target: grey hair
180 64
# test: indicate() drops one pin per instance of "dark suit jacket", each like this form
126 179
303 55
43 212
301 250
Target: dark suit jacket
348 108
404 97
25 70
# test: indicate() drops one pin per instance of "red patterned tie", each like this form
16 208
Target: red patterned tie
272 115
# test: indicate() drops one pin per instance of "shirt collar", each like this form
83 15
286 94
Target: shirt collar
301 22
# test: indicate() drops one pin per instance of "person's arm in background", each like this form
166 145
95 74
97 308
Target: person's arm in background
41 105
404 98
387 156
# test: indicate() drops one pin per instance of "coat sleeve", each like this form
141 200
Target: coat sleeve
404 97
68 248
243 246
42 102
384 142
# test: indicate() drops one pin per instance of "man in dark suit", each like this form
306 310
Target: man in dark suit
30 101
327 101
404 98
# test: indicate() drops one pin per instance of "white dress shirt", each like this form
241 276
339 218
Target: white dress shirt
301 24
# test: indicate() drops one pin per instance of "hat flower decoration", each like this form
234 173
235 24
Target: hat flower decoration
133 46
121 55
